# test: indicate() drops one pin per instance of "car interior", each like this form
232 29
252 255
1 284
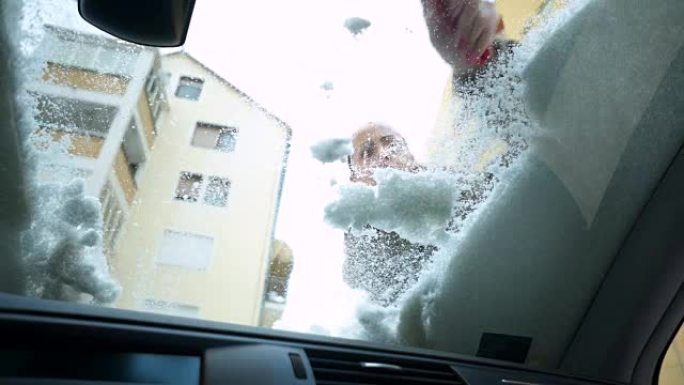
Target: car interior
576 275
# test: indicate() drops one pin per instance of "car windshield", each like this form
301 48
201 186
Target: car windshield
443 174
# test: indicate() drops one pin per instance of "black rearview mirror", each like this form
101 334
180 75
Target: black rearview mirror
158 23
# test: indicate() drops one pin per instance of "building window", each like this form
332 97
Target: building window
113 218
217 191
186 250
212 189
189 88
215 137
170 308
73 115
189 186
134 150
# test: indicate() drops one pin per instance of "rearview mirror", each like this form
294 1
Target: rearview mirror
158 23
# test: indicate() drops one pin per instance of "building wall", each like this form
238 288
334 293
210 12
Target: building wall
517 14
231 288
672 369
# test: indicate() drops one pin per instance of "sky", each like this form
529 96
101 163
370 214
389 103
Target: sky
280 52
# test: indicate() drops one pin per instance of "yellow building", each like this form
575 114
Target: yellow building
94 117
198 241
672 369
518 14
188 170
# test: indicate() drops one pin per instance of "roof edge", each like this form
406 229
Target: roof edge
239 91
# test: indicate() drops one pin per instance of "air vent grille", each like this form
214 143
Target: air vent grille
342 368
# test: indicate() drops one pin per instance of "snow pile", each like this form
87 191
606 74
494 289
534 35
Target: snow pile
331 150
393 230
63 247
417 206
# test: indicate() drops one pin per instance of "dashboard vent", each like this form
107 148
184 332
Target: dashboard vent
342 368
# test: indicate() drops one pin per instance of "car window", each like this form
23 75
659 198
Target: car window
450 175
672 367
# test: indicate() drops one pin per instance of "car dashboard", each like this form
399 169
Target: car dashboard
47 342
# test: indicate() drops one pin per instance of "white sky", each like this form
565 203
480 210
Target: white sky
280 52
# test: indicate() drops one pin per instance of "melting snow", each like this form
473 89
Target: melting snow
331 150
63 248
417 206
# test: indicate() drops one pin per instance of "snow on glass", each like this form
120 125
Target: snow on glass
62 250
217 191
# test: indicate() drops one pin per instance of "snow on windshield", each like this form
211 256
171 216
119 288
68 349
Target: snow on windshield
62 248
431 208
360 249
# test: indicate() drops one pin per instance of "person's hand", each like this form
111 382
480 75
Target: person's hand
462 31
